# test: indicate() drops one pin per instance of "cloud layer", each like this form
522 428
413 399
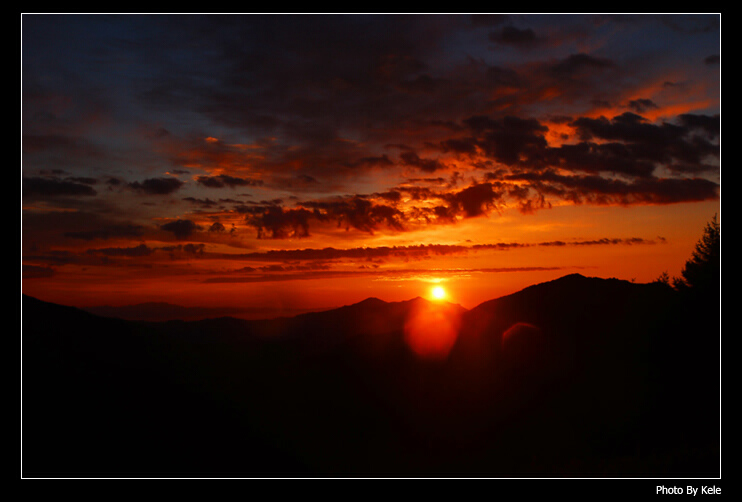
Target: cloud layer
222 133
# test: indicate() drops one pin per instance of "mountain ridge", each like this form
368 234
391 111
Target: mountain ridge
576 376
117 311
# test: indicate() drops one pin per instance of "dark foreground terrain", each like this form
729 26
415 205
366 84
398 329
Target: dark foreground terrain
578 377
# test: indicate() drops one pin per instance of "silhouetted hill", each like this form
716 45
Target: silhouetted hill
574 377
162 311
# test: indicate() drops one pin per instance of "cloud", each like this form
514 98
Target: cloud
357 106
182 229
359 213
36 272
189 249
664 143
39 187
422 84
710 124
489 19
216 227
459 145
279 274
109 232
224 180
136 251
157 186
417 252
580 64
614 157
413 160
508 140
642 105
365 253
371 162
275 222
475 200
510 35
599 190
69 146
206 203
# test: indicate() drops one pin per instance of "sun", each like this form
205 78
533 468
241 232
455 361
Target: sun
439 293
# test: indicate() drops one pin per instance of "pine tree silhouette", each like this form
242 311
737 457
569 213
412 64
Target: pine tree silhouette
701 272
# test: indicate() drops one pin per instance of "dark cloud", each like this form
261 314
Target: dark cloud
359 213
579 64
364 253
53 172
278 274
135 252
688 24
592 157
422 83
599 242
109 232
275 222
414 252
36 272
189 249
157 186
310 104
206 203
712 60
459 145
489 19
182 229
283 74
628 127
34 187
475 200
508 140
61 144
216 227
642 105
224 180
709 124
599 190
54 257
510 35
502 77
392 196
656 143
418 193
375 161
428 165
82 179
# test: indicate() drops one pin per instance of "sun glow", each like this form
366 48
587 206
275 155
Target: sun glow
438 293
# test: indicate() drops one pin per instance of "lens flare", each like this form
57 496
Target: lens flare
431 329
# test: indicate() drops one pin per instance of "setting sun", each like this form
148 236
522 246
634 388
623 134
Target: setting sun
439 293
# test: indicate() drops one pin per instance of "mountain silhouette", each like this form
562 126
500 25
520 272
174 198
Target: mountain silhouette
579 376
163 311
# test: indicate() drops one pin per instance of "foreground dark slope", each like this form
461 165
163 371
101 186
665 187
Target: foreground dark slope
578 376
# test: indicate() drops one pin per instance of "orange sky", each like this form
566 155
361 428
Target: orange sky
287 163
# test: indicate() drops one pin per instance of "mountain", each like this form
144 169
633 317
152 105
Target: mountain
162 311
575 377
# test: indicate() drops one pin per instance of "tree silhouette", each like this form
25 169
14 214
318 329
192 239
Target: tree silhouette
702 271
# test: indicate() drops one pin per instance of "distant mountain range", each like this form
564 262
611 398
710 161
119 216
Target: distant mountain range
580 376
162 311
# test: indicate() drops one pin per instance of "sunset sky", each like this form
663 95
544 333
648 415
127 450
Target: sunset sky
312 161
